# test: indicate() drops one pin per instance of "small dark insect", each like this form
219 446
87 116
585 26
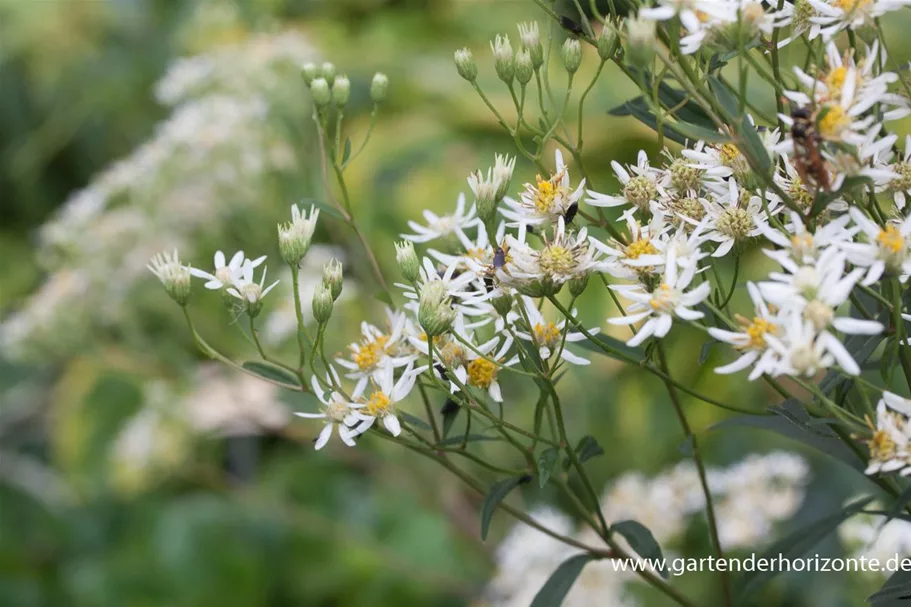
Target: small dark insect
488 283
808 161
442 371
571 212
449 407
571 26
499 258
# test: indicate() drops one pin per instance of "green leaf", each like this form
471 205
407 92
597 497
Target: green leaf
561 580
900 502
450 412
705 351
588 448
680 132
546 462
823 198
271 372
323 207
725 97
896 592
347 151
472 438
415 421
799 543
685 448
614 344
754 147
496 494
641 540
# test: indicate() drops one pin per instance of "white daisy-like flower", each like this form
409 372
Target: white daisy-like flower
481 370
890 445
641 254
696 16
640 186
546 200
816 290
658 308
834 16
476 255
388 391
803 350
803 246
887 248
548 336
566 256
750 341
337 411
720 161
441 226
900 184
247 289
226 274
736 217
797 15
375 352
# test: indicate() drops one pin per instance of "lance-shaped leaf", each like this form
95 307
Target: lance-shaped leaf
896 592
561 580
546 462
496 495
642 541
271 372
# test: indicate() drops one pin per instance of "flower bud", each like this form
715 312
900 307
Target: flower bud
502 173
524 68
502 304
328 72
607 43
378 87
531 40
294 237
572 55
322 303
341 90
503 59
435 311
332 276
577 285
466 65
173 275
485 191
319 89
309 72
640 42
407 260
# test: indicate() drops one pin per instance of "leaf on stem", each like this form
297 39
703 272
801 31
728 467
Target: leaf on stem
450 412
754 148
271 372
642 541
896 592
561 580
725 97
415 421
546 463
496 495
471 438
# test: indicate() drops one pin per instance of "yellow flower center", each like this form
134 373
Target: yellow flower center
640 247
664 298
546 335
756 331
481 373
851 5
882 447
835 80
368 355
891 239
451 353
834 120
379 404
729 154
547 190
557 259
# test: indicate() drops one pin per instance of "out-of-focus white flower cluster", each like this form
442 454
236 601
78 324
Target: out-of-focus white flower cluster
750 496
870 536
210 160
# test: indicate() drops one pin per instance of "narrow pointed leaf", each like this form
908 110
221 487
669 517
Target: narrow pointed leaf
496 495
546 462
561 580
271 372
641 540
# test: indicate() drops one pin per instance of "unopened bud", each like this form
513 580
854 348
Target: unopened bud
485 191
572 55
577 285
378 87
607 43
502 173
173 275
319 89
531 40
502 304
524 68
640 42
407 260
328 72
309 72
294 237
435 312
465 63
332 276
503 59
341 91
322 303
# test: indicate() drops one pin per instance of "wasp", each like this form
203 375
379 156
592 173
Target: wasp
571 212
499 260
808 160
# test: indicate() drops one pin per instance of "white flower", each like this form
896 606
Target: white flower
173 275
376 351
439 226
803 246
901 182
641 254
226 274
887 248
548 336
889 445
659 307
337 411
750 341
798 15
834 16
479 369
562 258
381 403
640 189
545 201
736 217
248 290
803 350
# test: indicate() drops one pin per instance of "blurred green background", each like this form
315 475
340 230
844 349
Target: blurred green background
108 494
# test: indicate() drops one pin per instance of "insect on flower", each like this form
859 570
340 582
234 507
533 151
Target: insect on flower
808 161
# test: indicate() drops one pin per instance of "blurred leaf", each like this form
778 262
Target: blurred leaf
823 198
896 592
681 131
558 584
900 502
415 421
641 540
449 412
546 462
725 97
496 494
705 351
347 151
753 144
798 543
271 372
611 342
588 448
685 448
471 438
